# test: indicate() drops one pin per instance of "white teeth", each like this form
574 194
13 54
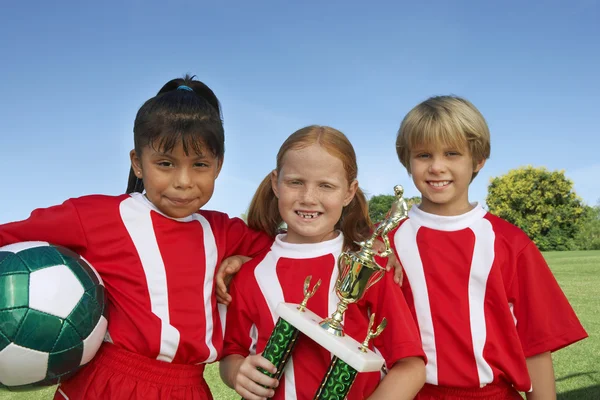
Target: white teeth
439 184
307 215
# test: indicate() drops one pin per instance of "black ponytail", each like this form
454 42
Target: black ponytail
190 117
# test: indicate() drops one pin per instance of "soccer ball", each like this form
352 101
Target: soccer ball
51 314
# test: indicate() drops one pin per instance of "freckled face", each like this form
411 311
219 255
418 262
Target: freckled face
312 189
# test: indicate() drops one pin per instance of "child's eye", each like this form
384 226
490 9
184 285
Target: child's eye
164 164
452 153
423 155
201 164
295 183
326 186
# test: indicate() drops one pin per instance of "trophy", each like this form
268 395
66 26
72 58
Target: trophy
358 271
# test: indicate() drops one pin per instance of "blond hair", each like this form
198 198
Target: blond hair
444 120
354 223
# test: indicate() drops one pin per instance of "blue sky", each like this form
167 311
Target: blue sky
73 75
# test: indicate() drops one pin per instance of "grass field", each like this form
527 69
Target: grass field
577 367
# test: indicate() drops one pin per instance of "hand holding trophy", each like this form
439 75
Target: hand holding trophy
358 271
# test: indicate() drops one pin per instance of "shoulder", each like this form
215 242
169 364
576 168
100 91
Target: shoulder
510 234
96 201
400 224
220 218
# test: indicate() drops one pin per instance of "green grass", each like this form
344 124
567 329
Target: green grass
577 367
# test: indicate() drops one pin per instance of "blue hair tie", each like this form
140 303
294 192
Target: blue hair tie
184 87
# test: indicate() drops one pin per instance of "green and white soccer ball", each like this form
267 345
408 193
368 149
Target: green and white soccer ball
52 310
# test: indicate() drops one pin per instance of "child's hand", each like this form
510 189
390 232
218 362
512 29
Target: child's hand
250 382
228 268
392 262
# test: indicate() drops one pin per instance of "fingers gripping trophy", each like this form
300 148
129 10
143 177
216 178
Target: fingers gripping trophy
358 271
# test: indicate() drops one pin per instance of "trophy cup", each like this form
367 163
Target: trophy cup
358 271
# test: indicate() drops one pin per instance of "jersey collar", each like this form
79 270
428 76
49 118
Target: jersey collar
444 223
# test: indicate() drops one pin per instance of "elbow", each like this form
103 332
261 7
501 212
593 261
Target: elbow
225 371
415 367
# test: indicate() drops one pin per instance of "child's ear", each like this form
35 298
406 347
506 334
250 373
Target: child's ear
479 165
136 163
351 192
274 182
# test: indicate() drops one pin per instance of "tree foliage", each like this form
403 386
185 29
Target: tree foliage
588 236
380 205
540 202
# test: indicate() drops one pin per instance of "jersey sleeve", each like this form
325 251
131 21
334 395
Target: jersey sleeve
241 240
544 318
240 332
400 338
59 225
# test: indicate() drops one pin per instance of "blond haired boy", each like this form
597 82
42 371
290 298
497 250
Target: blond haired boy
487 306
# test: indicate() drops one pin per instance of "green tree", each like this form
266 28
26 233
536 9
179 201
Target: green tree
588 236
540 202
379 205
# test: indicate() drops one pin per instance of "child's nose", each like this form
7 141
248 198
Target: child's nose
183 178
309 196
437 165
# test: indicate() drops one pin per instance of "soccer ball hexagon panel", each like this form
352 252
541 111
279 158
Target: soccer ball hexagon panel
52 310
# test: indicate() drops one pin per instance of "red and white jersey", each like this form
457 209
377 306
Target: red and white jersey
158 271
278 276
483 297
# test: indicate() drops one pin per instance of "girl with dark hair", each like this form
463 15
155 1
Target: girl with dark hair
314 191
156 251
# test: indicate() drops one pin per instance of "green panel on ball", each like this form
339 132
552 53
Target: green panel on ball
67 338
85 315
97 292
38 331
14 291
10 264
63 362
42 257
10 320
81 273
3 341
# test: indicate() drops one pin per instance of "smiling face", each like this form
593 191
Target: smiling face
178 184
312 189
443 174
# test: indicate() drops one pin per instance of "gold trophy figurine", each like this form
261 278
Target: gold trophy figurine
358 271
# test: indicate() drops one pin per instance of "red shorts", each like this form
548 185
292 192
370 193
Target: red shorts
115 374
493 391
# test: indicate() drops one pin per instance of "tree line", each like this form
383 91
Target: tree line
540 202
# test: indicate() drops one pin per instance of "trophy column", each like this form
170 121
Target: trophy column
284 336
340 376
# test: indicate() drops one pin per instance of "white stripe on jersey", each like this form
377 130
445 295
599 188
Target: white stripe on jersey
265 274
481 265
138 222
253 334
210 250
332 299
407 249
